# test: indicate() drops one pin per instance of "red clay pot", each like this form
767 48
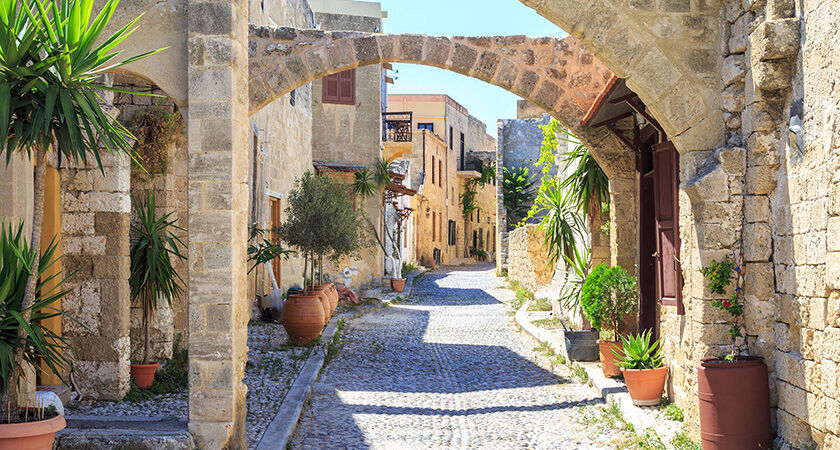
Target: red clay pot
38 435
645 385
303 317
605 352
325 302
332 295
144 374
397 284
734 404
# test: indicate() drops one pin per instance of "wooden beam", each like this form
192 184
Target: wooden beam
624 139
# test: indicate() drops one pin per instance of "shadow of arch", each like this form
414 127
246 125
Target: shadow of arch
558 75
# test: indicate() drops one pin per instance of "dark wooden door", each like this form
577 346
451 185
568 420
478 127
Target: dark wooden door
665 185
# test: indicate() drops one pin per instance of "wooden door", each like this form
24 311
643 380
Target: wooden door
665 185
276 221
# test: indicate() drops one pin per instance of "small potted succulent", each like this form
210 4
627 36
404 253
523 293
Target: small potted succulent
734 389
607 296
644 370
153 277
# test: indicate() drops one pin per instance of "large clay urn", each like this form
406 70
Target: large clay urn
607 352
321 292
734 404
332 295
303 317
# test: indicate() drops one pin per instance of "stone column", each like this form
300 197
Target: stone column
623 233
218 204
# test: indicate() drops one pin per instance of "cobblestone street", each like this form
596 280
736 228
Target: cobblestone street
447 368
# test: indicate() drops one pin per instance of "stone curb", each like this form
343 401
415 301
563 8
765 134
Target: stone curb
283 425
612 390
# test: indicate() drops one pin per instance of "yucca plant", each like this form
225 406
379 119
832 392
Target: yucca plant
37 342
52 55
560 221
588 184
639 352
153 247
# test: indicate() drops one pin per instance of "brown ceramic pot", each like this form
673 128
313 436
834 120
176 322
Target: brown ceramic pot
734 404
645 385
144 374
303 317
325 301
397 284
605 352
332 295
38 435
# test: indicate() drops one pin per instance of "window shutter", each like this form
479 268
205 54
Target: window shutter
440 171
433 170
347 87
329 91
669 280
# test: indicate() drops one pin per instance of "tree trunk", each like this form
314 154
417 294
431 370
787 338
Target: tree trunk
147 324
32 280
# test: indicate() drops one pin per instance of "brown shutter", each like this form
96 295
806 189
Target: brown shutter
276 220
329 91
666 202
347 87
433 170
440 171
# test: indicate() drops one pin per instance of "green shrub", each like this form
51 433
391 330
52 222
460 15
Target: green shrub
639 352
607 296
673 412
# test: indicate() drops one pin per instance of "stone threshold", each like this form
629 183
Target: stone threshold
612 390
281 428
134 432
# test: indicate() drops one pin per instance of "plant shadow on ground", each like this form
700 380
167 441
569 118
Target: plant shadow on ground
392 340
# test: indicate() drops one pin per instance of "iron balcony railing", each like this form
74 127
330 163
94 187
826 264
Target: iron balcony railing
396 126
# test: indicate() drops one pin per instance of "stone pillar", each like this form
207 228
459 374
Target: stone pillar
94 229
218 203
623 234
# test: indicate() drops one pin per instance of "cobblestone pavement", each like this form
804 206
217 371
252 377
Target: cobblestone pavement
447 369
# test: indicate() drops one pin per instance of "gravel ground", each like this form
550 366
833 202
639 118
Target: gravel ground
272 367
447 368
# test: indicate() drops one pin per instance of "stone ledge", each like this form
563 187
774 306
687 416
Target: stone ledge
124 432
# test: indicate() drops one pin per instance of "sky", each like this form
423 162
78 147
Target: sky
462 18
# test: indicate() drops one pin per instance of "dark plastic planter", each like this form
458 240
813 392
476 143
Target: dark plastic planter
581 345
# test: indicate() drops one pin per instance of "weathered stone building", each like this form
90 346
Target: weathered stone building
745 91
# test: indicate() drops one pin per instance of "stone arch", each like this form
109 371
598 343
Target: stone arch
669 53
558 75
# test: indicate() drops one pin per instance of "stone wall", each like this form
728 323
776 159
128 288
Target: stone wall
527 258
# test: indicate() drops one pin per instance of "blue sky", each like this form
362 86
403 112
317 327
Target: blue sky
462 18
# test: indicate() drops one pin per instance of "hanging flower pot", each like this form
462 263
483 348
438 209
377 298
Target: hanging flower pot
397 284
303 318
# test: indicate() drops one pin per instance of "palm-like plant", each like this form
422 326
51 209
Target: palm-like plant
153 277
52 54
639 352
518 192
38 341
588 183
560 221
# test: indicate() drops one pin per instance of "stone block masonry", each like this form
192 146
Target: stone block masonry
527 258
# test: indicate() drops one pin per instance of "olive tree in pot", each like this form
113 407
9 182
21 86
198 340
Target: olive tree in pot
52 56
607 296
734 389
262 250
644 371
152 278
28 424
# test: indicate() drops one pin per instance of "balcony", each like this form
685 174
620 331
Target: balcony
396 126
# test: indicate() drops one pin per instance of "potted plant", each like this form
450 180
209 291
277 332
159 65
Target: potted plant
23 423
734 389
582 343
347 231
607 296
262 251
152 277
644 370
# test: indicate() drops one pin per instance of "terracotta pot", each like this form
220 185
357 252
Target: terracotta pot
144 374
31 435
605 353
397 284
332 295
734 404
645 385
325 302
303 317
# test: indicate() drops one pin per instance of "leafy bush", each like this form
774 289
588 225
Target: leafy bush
607 296
673 412
408 267
639 352
518 193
